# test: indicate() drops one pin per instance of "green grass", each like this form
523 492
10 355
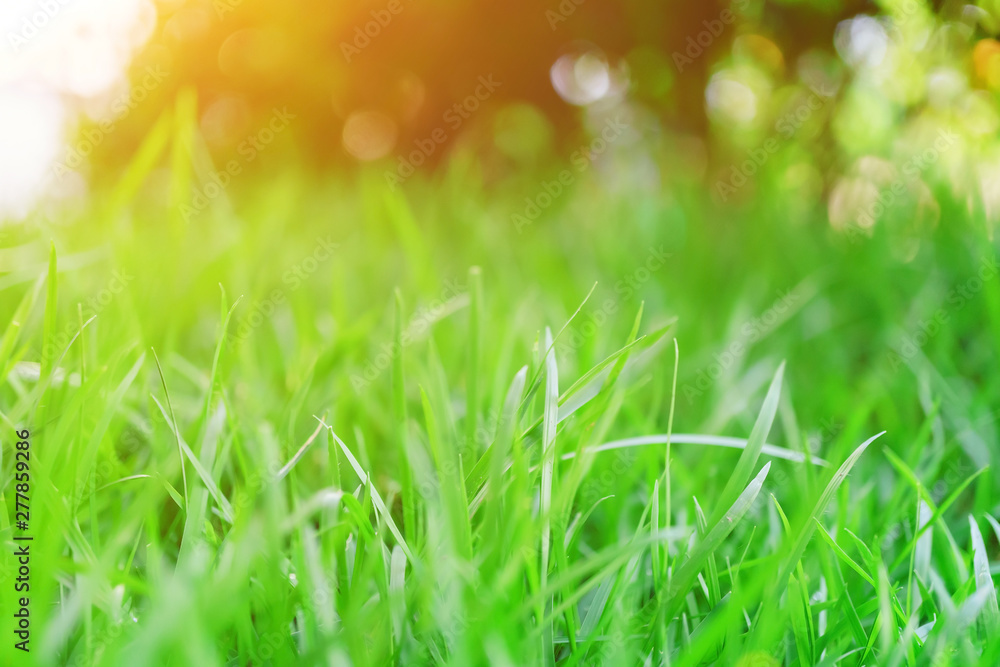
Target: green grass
258 453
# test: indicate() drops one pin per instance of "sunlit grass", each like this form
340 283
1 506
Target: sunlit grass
253 453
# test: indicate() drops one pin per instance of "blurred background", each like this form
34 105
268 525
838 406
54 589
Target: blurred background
846 150
847 91
814 181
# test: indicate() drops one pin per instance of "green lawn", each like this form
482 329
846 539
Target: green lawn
299 428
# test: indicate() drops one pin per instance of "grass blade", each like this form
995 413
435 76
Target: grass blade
748 459
51 311
687 573
549 424
805 534
984 580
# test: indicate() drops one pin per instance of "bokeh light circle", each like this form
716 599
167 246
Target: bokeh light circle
369 134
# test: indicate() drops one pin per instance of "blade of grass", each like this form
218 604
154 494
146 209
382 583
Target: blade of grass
376 497
697 439
399 420
51 312
687 572
984 580
453 494
799 546
173 424
472 363
748 459
549 425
